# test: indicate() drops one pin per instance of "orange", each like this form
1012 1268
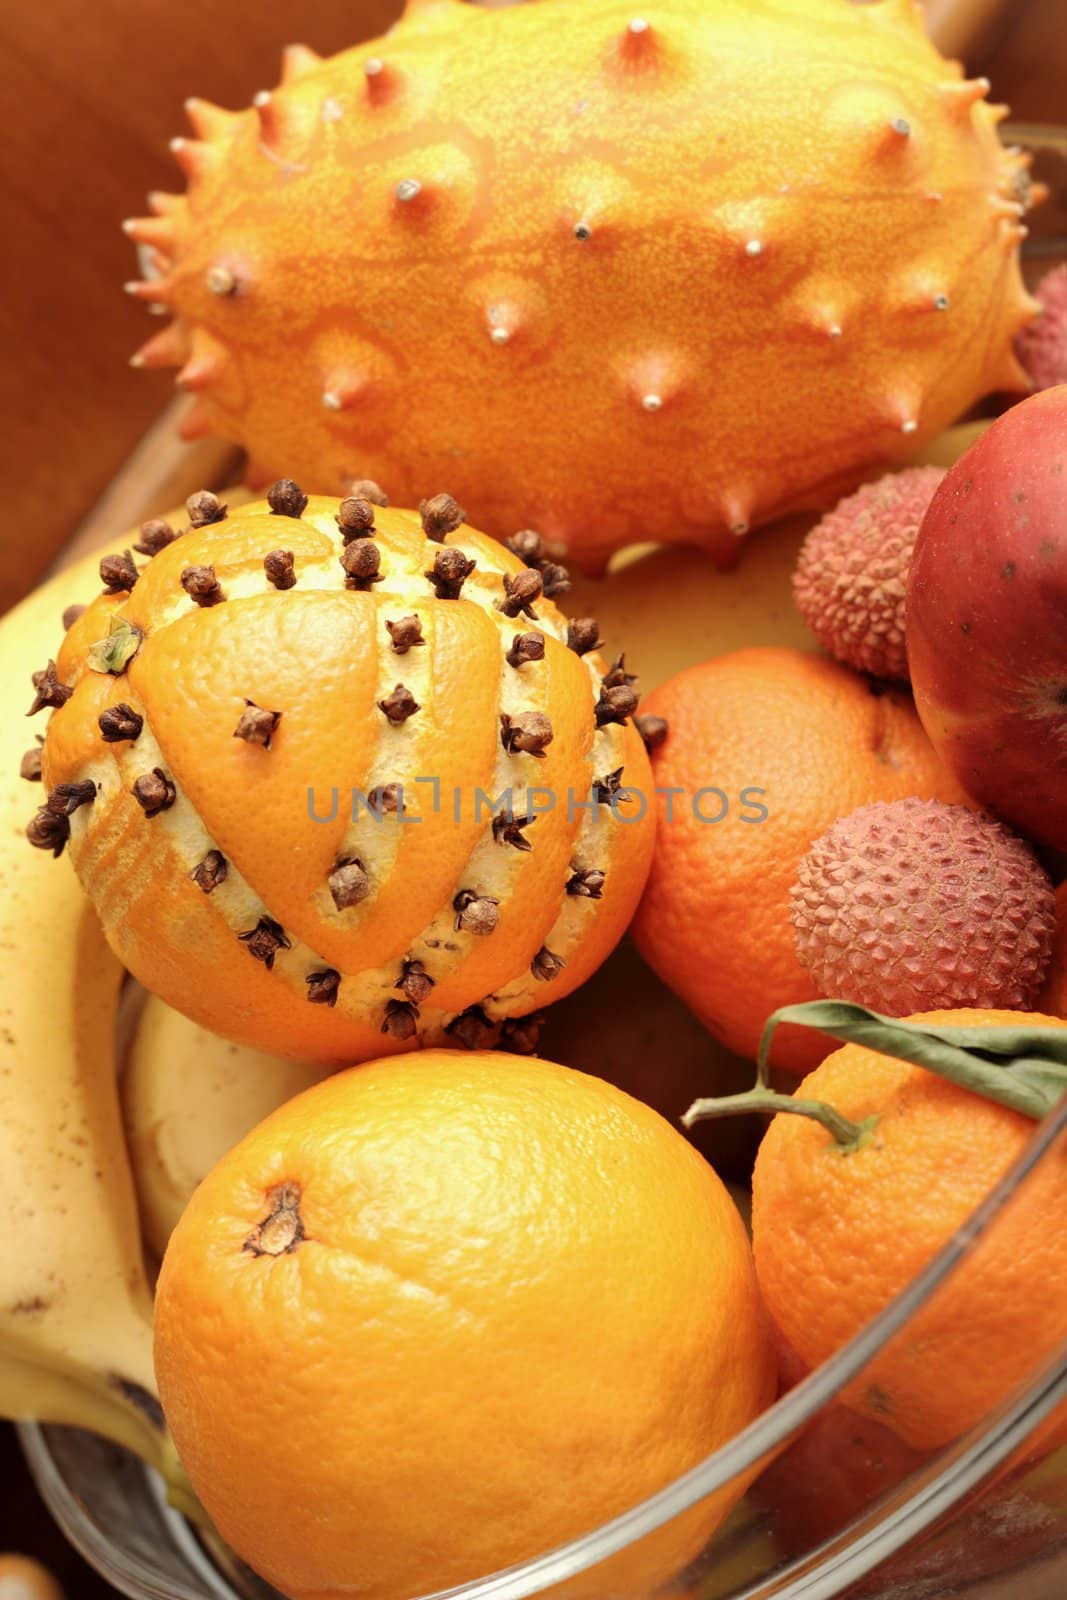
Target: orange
799 740
438 1316
23 1579
838 1235
278 952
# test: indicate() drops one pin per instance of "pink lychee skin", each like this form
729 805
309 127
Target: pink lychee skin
851 575
1042 347
921 906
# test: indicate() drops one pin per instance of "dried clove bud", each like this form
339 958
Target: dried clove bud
415 983
362 562
401 1019
286 498
205 508
355 517
386 797
528 546
405 633
65 798
554 579
441 515
30 765
399 705
118 573
617 674
526 647
508 830
472 1029
201 585
280 568
50 692
49 830
451 569
367 489
529 733
583 635
521 1035
653 730
545 965
213 870
120 722
71 615
587 881
155 536
615 704
323 986
520 593
154 792
475 913
605 789
256 725
348 883
265 940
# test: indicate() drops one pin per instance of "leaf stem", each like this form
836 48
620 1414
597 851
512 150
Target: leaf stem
849 1135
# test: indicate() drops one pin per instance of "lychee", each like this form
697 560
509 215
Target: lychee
918 906
852 571
1042 346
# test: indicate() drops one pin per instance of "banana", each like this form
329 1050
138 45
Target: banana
188 1097
75 1305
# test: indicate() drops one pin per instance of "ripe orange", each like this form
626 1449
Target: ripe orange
437 1316
838 1235
806 740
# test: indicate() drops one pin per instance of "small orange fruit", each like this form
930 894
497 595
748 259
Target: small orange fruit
438 1316
777 744
838 1235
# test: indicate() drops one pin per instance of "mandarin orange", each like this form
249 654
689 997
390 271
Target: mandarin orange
438 1316
837 1235
781 743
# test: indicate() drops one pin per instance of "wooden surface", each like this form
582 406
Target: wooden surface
88 102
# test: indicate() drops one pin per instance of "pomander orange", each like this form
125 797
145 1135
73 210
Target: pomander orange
838 1234
781 743
435 1317
341 779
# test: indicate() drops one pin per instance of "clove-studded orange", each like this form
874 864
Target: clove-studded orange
617 277
341 779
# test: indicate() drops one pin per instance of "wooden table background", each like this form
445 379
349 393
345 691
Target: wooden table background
88 100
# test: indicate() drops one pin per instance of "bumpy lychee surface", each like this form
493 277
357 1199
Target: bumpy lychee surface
917 904
609 276
1042 346
852 572
346 787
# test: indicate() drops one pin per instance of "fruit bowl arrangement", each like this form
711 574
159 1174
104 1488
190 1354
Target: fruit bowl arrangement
476 1129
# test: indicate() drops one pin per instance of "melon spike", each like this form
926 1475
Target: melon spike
203 368
164 204
193 156
297 61
167 348
958 98
197 423
382 79
155 231
637 47
342 390
736 512
210 121
153 290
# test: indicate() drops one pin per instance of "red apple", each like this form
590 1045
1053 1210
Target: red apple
986 618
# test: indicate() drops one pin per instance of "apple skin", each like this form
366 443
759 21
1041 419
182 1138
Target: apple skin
986 618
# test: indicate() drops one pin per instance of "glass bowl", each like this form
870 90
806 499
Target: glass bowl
986 1517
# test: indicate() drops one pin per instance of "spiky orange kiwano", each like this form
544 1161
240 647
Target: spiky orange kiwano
304 731
616 279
